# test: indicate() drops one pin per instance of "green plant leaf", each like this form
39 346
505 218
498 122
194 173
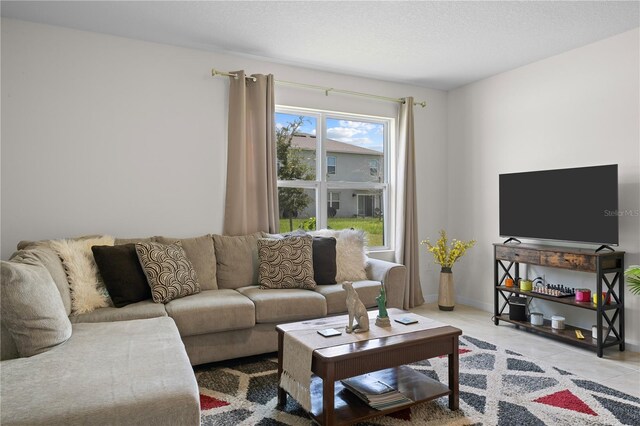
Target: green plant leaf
633 278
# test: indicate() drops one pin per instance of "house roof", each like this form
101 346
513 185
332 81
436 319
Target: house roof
308 142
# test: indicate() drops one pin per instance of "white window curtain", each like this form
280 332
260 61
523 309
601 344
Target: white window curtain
406 250
251 202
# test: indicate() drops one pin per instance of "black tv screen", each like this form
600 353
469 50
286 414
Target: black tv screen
578 204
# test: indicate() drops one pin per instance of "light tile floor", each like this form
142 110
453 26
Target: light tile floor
619 370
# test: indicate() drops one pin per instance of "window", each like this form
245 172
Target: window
333 204
354 196
331 165
373 167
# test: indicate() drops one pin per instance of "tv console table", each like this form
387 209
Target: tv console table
608 268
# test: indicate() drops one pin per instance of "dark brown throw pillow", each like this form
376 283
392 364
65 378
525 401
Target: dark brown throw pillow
122 274
324 260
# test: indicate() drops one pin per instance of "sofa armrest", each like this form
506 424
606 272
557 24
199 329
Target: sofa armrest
393 277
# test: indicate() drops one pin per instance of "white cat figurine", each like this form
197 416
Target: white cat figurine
356 310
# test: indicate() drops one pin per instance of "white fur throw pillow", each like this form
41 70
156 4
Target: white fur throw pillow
87 289
350 256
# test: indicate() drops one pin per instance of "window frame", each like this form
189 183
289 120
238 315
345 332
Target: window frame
322 186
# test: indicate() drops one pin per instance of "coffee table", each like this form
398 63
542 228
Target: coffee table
384 357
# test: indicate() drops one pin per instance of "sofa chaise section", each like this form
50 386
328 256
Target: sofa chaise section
116 373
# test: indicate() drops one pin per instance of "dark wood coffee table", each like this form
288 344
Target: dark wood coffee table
387 356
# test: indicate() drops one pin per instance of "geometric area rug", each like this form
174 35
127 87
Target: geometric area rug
497 387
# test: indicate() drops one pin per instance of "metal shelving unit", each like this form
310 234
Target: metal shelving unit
608 268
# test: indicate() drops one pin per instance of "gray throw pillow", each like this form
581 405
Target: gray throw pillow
168 270
202 256
286 263
236 260
32 310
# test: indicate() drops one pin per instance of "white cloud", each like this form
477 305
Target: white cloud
362 141
343 132
365 127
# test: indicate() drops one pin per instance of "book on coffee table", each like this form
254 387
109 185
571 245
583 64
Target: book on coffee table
375 393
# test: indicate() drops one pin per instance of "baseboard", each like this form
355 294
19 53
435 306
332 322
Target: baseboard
430 298
487 307
631 347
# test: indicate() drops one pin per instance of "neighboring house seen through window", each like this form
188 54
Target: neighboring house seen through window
354 195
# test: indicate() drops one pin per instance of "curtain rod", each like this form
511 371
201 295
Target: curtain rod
326 90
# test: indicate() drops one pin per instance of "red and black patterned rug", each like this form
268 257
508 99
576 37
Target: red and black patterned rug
497 387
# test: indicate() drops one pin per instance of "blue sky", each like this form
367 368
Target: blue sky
366 135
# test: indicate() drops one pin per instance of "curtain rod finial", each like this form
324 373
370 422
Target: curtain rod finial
422 104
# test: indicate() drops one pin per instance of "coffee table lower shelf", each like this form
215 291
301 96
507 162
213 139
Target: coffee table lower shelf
351 409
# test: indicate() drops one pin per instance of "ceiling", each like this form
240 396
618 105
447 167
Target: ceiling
441 45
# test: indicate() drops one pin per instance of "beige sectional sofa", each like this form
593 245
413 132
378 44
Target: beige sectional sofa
131 364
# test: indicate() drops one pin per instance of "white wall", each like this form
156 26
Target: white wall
579 108
102 134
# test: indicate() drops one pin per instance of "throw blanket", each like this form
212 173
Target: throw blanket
298 347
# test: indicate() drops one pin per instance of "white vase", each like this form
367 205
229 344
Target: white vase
446 293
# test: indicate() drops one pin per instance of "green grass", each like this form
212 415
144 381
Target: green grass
374 227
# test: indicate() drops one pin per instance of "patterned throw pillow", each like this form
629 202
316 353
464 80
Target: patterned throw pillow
168 270
286 263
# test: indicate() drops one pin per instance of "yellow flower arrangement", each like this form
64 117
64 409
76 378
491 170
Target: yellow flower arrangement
444 255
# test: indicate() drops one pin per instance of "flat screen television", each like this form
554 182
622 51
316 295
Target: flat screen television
578 205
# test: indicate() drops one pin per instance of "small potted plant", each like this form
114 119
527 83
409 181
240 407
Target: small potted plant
446 255
633 278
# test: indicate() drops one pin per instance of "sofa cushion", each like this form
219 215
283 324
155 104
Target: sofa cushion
282 305
87 289
47 257
286 262
337 297
169 272
202 254
212 311
8 349
122 274
237 260
118 373
138 310
324 260
32 310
